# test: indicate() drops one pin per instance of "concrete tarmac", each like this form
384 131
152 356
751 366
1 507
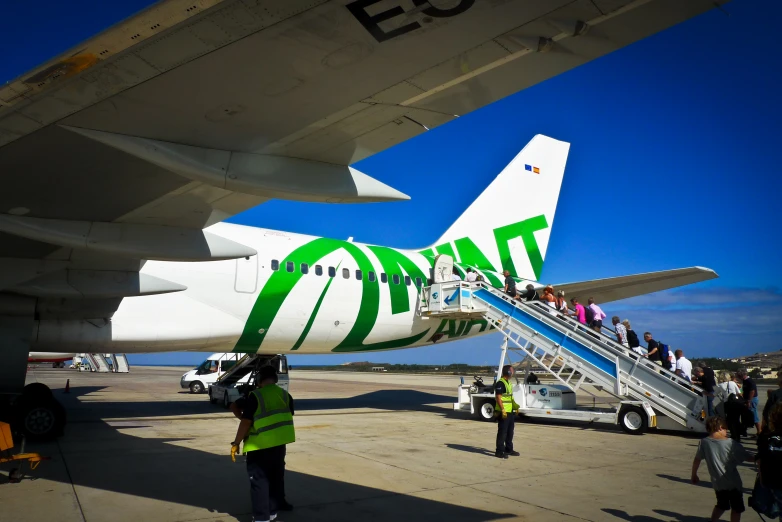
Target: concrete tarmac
378 447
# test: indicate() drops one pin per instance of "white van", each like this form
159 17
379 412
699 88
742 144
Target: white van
206 373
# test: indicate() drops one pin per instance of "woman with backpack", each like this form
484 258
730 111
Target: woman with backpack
729 403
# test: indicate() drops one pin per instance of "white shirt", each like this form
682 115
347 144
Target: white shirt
684 368
471 277
456 277
621 331
672 358
724 389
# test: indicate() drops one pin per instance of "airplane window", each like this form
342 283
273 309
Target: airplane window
275 265
383 277
418 282
395 278
371 276
318 270
332 271
346 273
358 275
407 280
289 266
305 268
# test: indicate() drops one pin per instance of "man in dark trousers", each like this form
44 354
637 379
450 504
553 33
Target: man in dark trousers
266 427
707 381
506 414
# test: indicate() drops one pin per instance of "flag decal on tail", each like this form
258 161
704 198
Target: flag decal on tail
536 170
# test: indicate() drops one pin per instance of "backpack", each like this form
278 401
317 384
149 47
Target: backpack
763 499
665 355
774 463
589 314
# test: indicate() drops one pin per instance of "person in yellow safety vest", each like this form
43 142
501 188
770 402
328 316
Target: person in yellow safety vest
266 427
506 414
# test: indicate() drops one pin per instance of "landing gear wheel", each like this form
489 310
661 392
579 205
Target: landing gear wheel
37 390
485 410
196 387
632 420
39 419
212 400
226 402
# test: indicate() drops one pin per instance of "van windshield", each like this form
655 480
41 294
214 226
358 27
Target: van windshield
207 367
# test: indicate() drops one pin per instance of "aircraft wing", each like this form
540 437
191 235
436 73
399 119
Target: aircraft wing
127 146
616 288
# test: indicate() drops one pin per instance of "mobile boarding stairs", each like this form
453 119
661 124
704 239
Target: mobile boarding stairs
649 396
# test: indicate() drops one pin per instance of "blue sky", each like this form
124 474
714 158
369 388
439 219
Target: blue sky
674 162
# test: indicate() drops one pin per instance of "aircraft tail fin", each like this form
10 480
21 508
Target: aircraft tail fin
508 226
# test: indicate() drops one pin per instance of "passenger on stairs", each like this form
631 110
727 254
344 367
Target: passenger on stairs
548 296
597 322
621 332
704 377
470 276
579 311
510 284
652 349
562 303
683 366
632 339
530 294
456 276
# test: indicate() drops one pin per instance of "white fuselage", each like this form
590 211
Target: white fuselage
248 305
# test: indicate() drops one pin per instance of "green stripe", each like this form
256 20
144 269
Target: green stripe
524 229
447 249
314 313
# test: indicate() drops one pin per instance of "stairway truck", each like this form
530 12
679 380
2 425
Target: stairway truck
240 379
553 401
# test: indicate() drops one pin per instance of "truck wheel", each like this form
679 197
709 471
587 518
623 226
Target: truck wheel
196 387
485 411
226 402
633 419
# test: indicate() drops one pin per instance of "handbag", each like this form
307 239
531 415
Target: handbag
764 501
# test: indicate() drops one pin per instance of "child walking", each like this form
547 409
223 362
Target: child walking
722 455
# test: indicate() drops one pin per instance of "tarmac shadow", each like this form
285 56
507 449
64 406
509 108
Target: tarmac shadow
701 483
391 400
471 449
156 472
669 516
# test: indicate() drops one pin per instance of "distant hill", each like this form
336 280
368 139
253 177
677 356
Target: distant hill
763 360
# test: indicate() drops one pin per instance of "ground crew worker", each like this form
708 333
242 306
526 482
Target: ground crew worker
266 427
506 412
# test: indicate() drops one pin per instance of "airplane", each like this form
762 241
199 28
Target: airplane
57 359
120 160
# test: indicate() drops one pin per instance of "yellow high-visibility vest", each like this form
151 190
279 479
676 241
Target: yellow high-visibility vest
272 421
509 405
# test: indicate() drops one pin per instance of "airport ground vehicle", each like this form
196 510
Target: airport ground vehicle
241 378
548 400
573 355
199 378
